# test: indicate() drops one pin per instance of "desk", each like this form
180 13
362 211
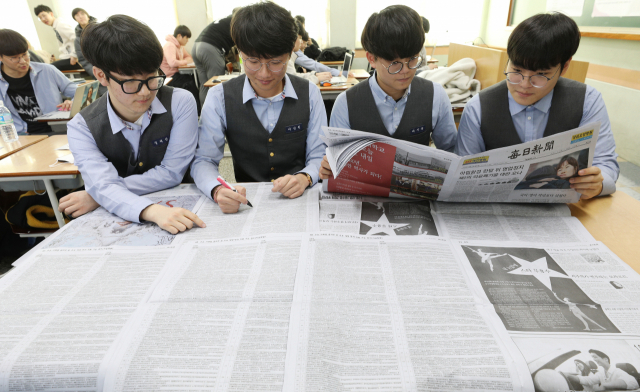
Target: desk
360 74
331 93
189 68
614 220
23 142
332 64
70 73
26 169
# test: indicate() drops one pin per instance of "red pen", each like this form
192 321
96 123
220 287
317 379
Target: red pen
224 184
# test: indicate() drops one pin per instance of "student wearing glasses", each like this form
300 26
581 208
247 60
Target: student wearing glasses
393 102
271 119
137 138
29 89
535 101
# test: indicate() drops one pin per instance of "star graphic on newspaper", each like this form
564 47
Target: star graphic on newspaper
539 269
383 226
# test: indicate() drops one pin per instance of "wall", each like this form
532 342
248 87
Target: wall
193 14
622 102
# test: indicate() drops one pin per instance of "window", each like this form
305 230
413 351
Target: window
451 21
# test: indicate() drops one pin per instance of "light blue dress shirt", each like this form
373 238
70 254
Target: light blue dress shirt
444 128
530 123
48 83
121 196
312 65
213 125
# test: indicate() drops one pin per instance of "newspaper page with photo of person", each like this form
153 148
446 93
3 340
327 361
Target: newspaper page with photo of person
534 172
573 310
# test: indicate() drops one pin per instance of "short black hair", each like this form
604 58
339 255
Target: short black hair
300 18
394 32
543 41
183 31
264 30
12 43
76 11
123 45
600 354
301 31
41 8
425 25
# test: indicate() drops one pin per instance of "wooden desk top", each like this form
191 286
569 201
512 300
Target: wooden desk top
332 62
23 142
360 73
614 220
350 83
73 71
188 66
35 160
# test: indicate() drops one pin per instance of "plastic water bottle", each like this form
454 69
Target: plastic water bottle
9 133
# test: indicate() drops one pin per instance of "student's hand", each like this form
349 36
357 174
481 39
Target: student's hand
173 220
352 75
291 186
325 169
228 200
73 61
65 106
588 182
77 203
322 76
53 58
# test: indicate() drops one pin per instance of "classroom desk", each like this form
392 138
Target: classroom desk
189 68
29 168
23 142
330 93
360 74
210 83
332 64
614 220
70 73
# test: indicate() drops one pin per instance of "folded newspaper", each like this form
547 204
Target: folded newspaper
532 172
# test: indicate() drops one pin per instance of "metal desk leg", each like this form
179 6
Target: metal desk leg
54 201
195 76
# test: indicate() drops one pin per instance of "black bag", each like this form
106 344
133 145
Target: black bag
334 53
34 211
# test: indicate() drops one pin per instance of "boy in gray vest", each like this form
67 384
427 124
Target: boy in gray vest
535 101
393 102
271 120
137 138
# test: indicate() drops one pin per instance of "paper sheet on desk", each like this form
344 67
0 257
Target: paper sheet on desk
65 147
63 159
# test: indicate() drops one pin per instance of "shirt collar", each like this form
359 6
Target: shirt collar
379 92
248 93
118 124
542 105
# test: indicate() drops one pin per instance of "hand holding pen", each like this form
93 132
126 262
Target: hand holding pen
228 197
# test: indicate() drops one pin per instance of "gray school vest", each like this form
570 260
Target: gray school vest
416 123
153 141
496 124
257 155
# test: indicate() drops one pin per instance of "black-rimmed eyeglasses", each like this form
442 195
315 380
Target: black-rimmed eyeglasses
397 66
133 86
538 81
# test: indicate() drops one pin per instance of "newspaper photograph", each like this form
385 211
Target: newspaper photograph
534 172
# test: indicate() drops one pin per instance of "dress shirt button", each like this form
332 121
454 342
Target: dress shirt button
395 108
140 164
270 140
528 118
272 154
271 125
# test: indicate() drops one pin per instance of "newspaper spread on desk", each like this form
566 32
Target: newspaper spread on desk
320 312
532 172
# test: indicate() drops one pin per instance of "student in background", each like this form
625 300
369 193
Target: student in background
176 55
393 102
312 76
534 101
311 49
65 35
137 138
321 71
209 51
28 89
271 120
82 17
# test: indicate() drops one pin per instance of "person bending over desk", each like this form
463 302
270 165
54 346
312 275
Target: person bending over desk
271 119
29 89
407 108
534 101
137 138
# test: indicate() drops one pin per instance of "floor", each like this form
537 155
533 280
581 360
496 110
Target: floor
629 180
